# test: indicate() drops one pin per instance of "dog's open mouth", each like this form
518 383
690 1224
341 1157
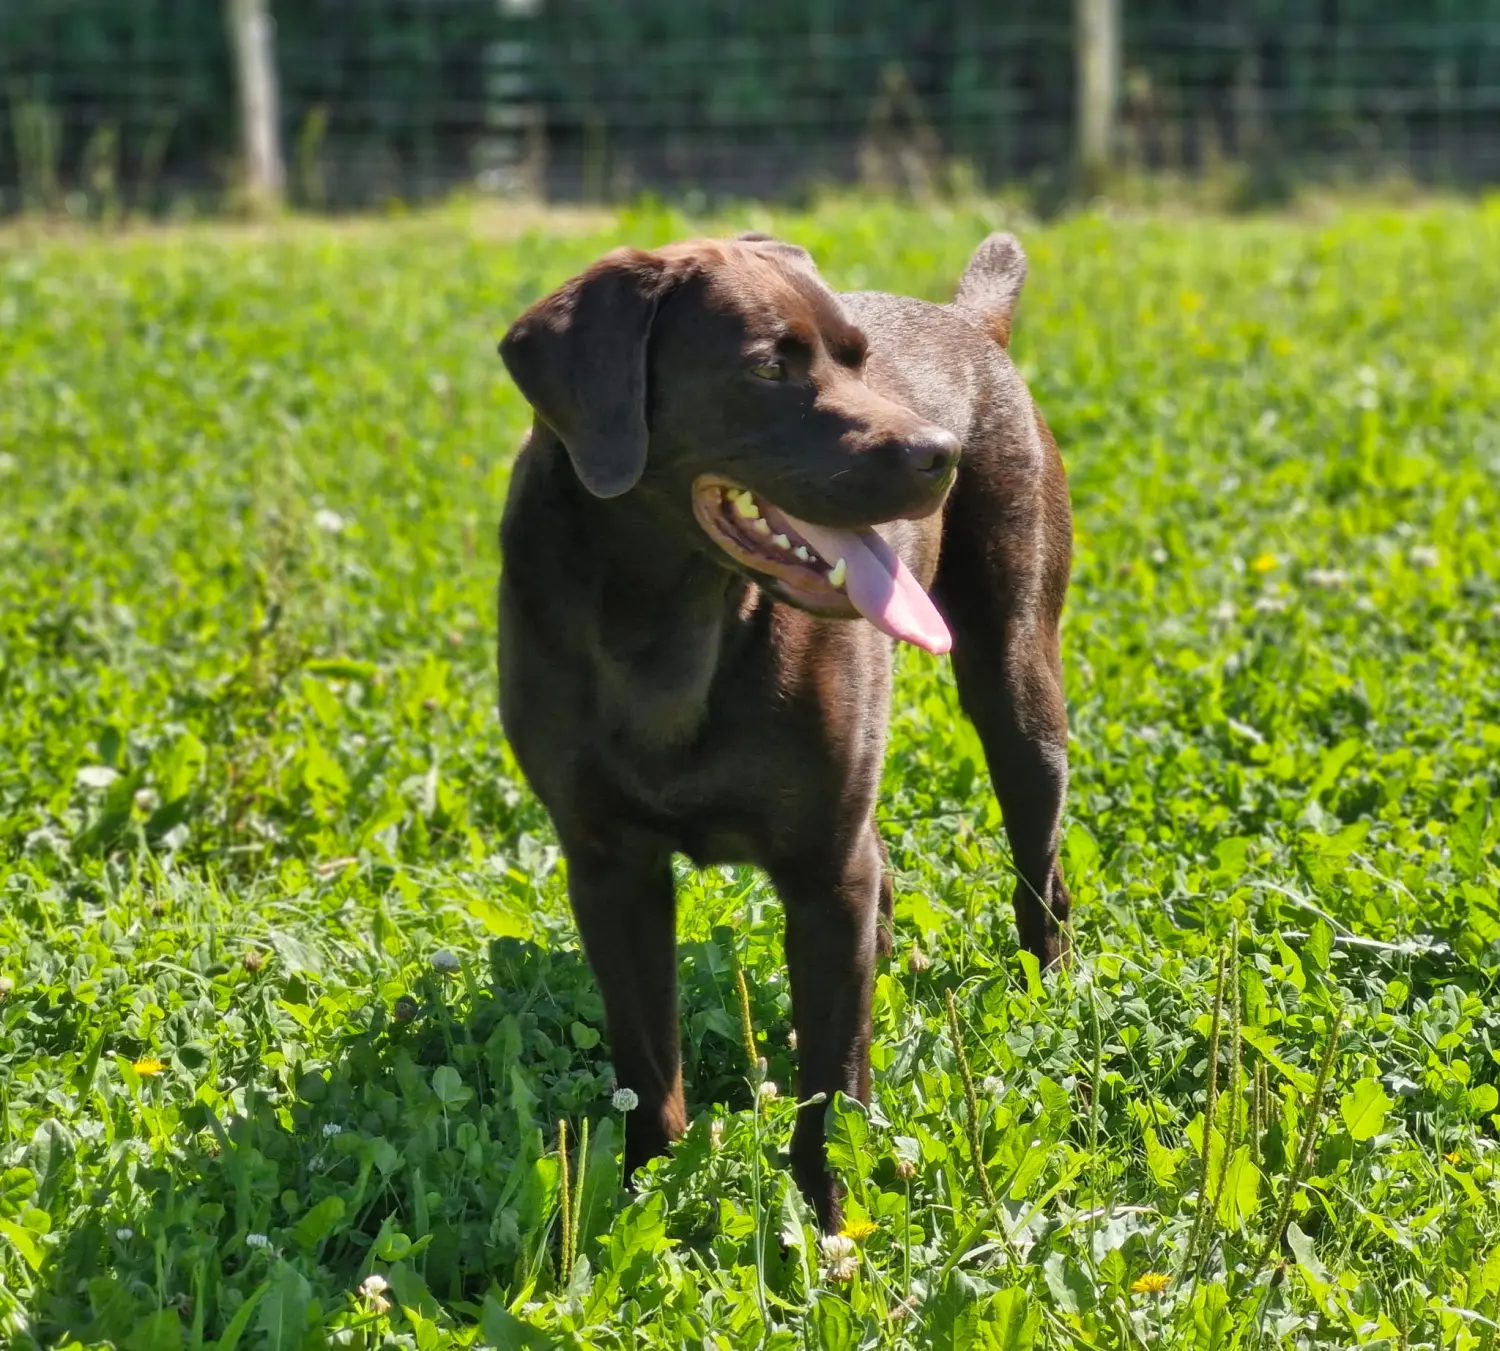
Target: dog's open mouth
838 573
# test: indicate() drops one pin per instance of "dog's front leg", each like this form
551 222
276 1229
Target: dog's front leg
832 906
625 905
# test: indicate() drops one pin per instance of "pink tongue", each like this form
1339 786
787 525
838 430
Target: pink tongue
880 585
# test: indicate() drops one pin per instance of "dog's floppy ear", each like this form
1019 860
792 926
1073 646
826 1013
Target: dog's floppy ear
992 283
790 253
579 357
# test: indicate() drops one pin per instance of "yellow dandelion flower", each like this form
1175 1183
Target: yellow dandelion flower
1265 563
1456 1157
146 1066
1152 1283
859 1230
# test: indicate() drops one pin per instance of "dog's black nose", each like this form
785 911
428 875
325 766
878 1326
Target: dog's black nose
933 454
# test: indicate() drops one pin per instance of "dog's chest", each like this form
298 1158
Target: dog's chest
759 759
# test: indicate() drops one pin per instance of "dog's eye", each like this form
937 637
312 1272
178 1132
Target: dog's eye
769 370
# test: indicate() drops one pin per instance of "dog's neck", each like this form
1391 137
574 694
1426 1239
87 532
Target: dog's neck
657 610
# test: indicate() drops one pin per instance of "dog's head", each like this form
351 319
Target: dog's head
724 378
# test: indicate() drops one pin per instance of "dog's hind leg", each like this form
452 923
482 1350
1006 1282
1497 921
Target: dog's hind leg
885 935
1001 581
832 913
625 905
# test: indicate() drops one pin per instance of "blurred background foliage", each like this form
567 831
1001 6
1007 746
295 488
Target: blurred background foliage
132 100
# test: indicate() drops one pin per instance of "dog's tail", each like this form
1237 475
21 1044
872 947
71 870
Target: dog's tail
992 283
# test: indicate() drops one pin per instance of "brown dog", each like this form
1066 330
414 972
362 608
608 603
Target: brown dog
739 487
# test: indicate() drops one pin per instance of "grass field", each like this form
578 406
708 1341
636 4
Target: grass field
289 994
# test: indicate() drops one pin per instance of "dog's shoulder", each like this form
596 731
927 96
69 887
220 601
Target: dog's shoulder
936 359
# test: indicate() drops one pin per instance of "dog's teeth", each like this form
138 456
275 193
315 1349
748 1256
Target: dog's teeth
802 554
744 505
781 541
837 573
762 526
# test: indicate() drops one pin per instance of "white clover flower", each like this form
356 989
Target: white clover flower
1424 556
124 1233
331 1128
769 1091
625 1100
1226 612
257 1241
372 1290
994 1085
329 521
444 961
1270 605
840 1256
715 1134
1330 579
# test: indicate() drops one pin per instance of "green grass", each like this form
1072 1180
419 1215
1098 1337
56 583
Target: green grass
258 823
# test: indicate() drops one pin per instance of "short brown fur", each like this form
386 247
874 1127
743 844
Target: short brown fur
661 698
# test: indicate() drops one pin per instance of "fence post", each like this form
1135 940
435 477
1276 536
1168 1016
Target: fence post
1097 31
254 41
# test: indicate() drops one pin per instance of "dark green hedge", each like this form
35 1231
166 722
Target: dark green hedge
390 96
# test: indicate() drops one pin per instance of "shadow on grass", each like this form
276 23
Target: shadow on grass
425 1149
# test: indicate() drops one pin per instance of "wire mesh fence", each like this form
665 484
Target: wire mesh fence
131 104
